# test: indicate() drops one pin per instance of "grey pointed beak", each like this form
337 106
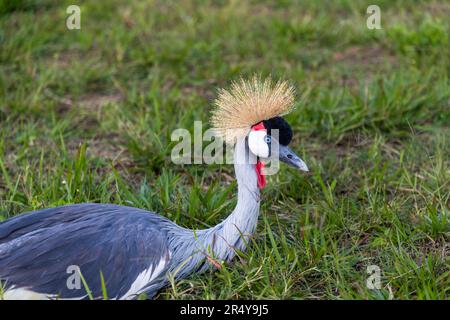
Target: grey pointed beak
288 156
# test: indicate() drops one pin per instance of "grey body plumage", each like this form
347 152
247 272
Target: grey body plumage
119 242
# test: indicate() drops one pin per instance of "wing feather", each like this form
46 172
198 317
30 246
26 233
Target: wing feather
126 245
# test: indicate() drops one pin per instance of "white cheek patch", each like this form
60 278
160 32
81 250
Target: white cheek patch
257 144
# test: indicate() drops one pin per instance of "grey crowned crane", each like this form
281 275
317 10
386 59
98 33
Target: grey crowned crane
132 251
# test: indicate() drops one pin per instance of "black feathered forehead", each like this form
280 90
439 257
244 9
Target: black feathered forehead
284 129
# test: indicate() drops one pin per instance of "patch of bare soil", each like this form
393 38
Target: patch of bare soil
89 103
109 148
428 247
64 59
94 101
362 60
363 55
440 8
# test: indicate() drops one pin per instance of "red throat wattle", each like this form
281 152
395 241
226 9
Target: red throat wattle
261 177
259 164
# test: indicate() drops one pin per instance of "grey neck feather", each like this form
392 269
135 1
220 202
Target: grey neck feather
191 247
234 232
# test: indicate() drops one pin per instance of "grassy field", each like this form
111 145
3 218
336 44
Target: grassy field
86 116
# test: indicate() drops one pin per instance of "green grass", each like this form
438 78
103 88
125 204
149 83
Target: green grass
86 116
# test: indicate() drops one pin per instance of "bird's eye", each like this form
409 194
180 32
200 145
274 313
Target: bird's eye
267 139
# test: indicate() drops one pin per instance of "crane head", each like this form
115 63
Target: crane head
269 139
253 109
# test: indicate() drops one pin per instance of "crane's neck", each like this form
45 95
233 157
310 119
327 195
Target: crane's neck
235 231
190 249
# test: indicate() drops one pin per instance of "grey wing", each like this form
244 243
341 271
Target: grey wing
43 250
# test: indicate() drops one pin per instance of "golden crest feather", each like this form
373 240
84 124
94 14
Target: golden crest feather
249 102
